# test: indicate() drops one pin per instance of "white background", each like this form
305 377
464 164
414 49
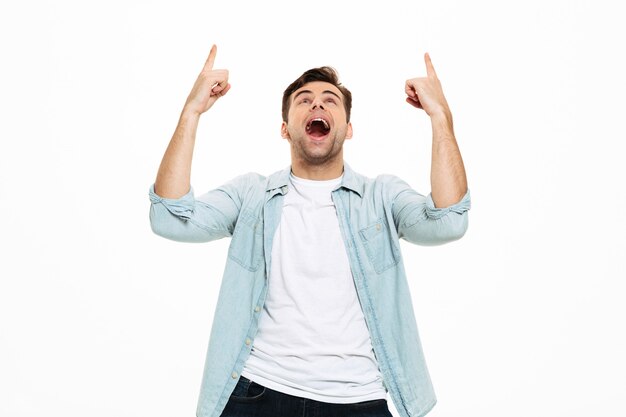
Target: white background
522 317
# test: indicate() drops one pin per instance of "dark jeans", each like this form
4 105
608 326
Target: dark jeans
250 399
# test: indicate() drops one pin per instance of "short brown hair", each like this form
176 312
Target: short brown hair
325 74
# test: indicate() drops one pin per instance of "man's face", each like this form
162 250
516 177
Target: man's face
316 124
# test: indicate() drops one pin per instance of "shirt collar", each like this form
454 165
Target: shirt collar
351 180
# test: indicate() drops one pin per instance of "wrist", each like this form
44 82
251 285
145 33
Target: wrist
442 126
441 117
189 113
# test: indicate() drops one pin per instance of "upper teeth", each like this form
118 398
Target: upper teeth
319 119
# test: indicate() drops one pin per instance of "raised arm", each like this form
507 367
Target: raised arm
173 177
175 213
447 174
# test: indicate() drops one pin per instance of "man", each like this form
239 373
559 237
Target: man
314 316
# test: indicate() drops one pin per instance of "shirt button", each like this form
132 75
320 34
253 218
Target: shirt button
234 375
378 226
248 341
257 309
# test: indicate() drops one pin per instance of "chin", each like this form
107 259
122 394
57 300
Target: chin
318 158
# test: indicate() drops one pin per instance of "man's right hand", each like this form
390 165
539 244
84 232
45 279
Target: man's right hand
172 180
210 85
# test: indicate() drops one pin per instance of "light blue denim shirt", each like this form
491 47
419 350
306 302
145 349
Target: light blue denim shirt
373 215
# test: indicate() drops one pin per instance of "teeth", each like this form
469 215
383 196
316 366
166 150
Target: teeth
319 119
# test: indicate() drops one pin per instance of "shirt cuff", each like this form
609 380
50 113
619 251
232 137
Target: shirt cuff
182 207
437 213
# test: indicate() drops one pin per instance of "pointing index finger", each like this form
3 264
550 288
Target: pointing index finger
208 65
430 70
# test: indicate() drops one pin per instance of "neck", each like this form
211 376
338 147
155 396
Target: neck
326 171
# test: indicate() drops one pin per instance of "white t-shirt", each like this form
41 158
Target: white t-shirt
312 340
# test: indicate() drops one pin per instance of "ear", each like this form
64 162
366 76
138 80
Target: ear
349 131
283 131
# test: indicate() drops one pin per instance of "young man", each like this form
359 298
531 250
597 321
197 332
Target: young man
314 316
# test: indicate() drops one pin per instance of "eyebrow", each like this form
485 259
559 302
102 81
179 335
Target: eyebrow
311 92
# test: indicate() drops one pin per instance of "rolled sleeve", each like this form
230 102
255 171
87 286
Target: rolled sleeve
438 212
180 207
188 219
418 220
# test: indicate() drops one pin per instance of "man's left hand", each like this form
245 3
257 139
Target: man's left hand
426 93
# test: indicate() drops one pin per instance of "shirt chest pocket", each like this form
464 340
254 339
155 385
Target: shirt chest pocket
380 246
246 247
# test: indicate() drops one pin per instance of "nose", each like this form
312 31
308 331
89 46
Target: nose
317 103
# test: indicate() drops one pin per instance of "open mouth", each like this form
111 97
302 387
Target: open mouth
317 128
